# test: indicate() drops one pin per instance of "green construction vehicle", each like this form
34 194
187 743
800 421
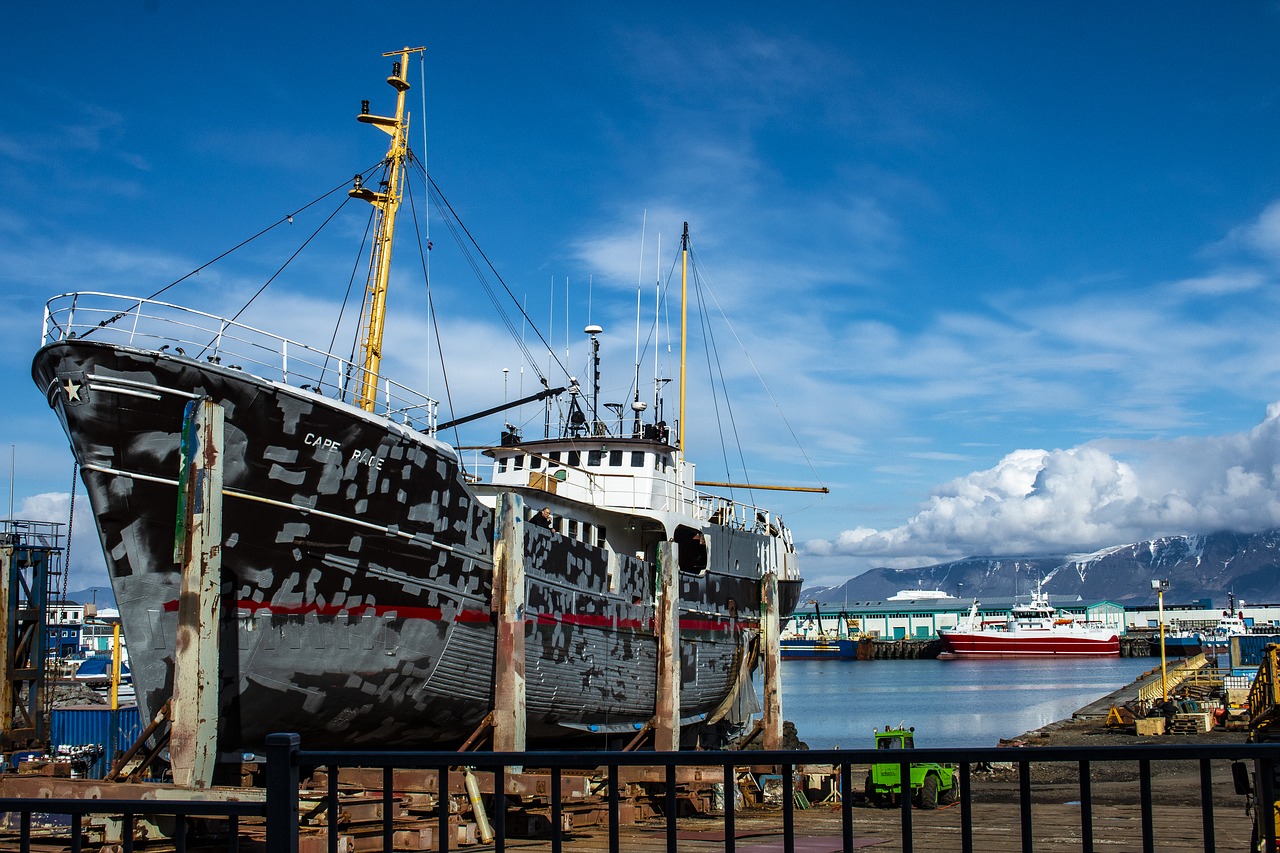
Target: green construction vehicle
931 783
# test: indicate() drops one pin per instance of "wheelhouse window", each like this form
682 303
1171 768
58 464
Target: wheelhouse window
615 458
594 458
502 464
554 456
575 459
637 459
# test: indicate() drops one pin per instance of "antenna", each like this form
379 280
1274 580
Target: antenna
595 331
657 319
635 429
684 331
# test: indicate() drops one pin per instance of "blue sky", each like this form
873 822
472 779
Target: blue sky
1008 271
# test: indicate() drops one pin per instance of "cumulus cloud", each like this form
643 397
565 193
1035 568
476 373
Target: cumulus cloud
1103 493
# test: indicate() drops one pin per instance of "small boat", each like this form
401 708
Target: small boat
1232 624
1031 630
1182 643
810 639
831 648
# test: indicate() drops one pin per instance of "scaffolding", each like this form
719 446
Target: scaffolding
31 574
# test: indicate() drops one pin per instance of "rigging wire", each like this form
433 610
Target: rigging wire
426 214
346 300
456 226
288 217
781 414
712 353
236 316
424 258
71 520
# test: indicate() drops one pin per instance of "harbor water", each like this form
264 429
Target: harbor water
955 703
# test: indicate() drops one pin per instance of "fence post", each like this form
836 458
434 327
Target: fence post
282 793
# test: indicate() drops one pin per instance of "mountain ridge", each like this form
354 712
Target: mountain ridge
1198 566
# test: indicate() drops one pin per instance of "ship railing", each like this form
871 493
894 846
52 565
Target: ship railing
189 333
733 513
1010 791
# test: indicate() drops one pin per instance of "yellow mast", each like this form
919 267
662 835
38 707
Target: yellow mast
684 327
387 203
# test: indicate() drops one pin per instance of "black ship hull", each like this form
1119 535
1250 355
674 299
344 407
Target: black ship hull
357 570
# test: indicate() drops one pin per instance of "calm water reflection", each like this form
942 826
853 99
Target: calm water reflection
950 703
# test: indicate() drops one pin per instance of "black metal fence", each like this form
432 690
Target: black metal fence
287 761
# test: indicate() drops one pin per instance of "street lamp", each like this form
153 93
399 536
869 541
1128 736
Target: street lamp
1160 586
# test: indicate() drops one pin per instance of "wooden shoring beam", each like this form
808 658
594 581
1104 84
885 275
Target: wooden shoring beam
509 703
193 737
666 717
771 655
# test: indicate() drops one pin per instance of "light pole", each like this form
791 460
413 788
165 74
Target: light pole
1160 586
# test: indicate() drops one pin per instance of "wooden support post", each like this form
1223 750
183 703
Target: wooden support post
508 604
666 718
198 547
771 654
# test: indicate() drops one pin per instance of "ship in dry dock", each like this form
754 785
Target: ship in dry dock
357 555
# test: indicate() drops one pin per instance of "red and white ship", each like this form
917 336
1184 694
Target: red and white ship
1031 630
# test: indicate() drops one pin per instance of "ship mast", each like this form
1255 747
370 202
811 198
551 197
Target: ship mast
684 327
386 202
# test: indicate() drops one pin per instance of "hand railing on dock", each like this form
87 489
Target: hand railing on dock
609 774
1175 674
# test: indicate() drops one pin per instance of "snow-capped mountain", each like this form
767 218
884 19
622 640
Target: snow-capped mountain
1196 566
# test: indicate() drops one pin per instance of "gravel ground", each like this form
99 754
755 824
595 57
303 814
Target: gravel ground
1173 782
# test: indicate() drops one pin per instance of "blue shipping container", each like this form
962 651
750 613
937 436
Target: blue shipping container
116 731
1246 650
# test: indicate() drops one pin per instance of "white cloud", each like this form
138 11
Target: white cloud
87 565
1098 494
1263 235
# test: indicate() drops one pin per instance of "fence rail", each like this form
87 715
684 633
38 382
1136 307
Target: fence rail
286 762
